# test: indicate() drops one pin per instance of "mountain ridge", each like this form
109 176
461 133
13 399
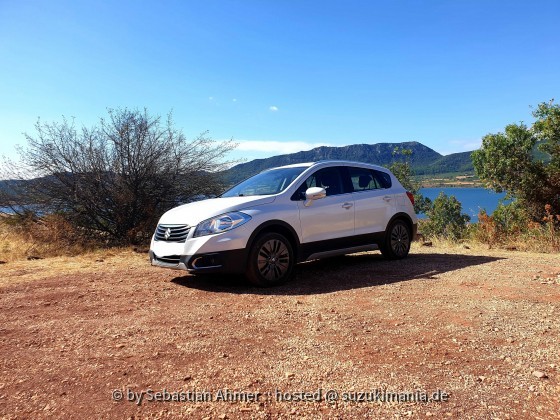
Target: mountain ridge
424 160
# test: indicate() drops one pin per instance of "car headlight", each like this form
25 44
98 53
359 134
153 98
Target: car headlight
221 223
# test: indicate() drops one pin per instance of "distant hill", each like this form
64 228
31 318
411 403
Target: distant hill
425 161
455 162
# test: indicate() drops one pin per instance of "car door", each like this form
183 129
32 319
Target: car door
328 218
374 201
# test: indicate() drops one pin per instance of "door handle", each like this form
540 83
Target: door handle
387 198
347 205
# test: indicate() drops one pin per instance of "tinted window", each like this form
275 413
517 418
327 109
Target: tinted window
364 179
328 178
383 178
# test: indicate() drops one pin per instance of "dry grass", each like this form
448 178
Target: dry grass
50 247
532 242
51 236
106 261
519 234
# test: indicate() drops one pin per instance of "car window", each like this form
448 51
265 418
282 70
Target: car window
268 182
364 179
382 178
328 178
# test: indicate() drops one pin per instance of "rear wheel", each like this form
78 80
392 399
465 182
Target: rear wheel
271 260
397 241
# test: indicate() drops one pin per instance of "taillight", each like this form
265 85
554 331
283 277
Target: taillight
410 197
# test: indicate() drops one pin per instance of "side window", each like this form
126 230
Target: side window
364 179
383 178
328 178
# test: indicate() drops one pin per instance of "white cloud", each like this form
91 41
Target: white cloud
277 147
273 108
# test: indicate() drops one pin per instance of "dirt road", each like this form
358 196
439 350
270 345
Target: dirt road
469 333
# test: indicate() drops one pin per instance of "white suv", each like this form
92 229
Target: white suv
267 223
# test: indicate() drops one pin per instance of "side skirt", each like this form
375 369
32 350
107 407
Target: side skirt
340 246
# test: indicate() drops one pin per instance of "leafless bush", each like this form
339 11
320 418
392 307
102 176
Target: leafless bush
115 179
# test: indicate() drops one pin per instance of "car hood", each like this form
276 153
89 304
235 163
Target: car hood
193 213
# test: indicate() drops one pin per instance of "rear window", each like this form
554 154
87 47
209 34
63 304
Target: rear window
383 178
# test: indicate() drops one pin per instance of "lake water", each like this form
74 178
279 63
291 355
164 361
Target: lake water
472 199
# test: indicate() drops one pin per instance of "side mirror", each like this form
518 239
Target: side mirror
314 193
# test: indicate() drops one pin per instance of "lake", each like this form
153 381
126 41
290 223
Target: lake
471 199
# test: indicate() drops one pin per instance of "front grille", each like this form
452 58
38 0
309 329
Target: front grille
172 233
169 259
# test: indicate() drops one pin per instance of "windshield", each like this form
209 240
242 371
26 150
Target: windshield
266 183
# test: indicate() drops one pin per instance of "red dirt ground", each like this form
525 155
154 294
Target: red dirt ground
481 326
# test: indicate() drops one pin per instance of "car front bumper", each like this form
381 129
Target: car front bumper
223 252
232 261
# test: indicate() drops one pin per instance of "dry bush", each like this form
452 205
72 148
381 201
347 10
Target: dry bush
516 231
551 228
485 230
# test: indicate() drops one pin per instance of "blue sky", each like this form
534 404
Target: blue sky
282 76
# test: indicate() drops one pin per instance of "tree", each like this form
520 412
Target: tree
116 178
402 169
547 132
445 218
509 161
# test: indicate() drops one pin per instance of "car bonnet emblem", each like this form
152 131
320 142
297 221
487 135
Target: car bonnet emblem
167 233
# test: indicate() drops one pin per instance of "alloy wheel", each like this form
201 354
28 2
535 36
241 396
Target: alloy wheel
273 260
400 240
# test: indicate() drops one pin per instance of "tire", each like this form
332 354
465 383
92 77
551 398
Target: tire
397 241
271 260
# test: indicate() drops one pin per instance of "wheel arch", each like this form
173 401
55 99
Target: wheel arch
276 226
405 218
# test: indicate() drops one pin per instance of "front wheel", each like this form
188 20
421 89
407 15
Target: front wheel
271 260
397 241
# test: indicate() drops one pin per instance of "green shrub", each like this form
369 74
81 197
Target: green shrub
511 218
445 218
